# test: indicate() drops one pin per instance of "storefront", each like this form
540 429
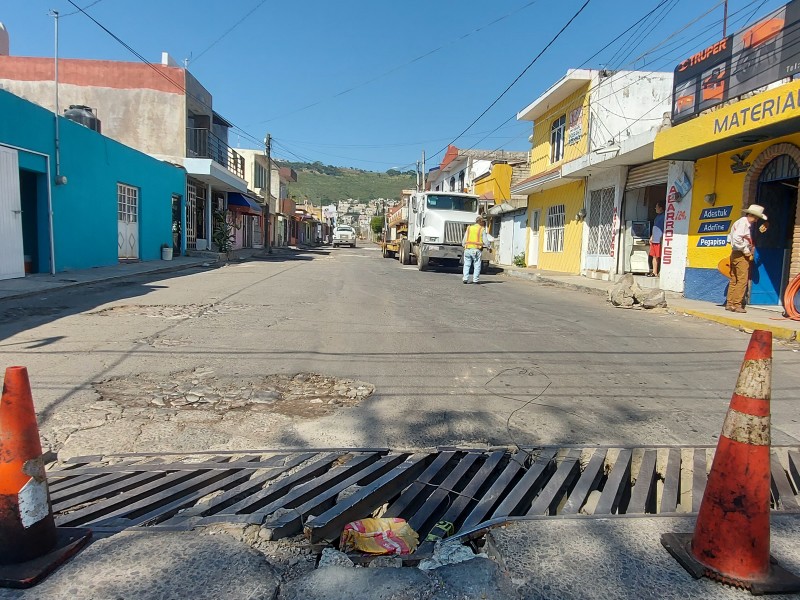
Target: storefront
747 152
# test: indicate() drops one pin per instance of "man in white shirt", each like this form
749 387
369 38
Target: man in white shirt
742 255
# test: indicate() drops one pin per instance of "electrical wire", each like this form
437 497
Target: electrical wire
646 53
403 65
228 31
518 77
177 85
647 74
75 12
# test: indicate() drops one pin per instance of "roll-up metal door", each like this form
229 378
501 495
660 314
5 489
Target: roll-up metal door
652 173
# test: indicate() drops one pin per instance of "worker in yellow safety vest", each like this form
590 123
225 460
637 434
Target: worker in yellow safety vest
475 239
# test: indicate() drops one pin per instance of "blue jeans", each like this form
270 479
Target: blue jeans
472 256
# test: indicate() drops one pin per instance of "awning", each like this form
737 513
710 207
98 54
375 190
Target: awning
504 208
244 204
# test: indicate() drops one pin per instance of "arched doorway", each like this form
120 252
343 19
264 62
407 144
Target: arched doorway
777 192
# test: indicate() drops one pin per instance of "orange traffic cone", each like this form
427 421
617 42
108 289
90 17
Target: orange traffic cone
731 536
31 545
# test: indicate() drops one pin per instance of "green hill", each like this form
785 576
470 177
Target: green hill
324 184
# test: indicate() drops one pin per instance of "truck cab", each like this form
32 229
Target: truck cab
437 224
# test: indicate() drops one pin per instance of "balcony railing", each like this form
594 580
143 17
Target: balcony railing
201 143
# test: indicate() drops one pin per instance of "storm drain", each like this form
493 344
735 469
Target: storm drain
319 491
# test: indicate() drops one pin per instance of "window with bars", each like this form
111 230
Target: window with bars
601 216
557 139
127 203
554 228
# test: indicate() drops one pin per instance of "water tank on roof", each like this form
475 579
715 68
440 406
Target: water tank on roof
4 43
83 115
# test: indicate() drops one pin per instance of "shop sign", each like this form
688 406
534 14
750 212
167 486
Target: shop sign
575 131
613 231
712 241
753 57
669 226
718 212
714 227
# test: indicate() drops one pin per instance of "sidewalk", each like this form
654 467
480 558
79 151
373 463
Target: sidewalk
755 318
41 283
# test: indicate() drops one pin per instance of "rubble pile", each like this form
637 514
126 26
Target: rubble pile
626 293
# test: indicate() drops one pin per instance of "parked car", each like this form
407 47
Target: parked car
344 235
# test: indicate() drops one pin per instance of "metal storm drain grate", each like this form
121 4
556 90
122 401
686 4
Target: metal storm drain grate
319 491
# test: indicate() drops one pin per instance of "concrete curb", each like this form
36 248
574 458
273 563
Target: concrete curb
76 284
554 281
783 333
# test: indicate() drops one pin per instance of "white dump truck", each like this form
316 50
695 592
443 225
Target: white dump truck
436 225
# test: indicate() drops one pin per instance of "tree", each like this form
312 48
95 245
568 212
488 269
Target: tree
393 173
376 224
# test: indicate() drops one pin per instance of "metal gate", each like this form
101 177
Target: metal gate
127 221
601 217
281 490
191 216
12 260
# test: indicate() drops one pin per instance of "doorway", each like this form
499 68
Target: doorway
12 263
177 226
600 218
533 238
127 222
777 193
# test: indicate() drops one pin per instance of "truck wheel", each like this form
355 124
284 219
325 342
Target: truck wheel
485 266
384 252
405 252
422 262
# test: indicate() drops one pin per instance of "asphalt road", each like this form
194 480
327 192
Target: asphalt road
503 362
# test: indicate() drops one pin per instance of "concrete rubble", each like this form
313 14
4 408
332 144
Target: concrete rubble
448 553
201 387
626 293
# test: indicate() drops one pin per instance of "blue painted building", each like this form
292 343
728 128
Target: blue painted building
111 202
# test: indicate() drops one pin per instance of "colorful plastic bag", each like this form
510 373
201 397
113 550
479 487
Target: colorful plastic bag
379 536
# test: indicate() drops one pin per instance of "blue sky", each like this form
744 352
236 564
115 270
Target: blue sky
287 55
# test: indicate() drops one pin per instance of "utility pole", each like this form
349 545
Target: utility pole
725 20
58 179
423 171
268 152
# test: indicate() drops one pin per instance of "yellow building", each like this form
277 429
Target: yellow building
555 203
747 152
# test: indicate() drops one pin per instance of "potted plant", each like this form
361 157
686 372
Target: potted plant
166 252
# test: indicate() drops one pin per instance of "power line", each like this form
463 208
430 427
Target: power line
228 31
160 72
641 20
518 77
403 65
649 51
75 12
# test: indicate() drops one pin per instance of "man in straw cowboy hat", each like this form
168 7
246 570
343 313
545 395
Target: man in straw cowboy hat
742 249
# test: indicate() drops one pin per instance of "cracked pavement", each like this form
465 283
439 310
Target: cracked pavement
506 362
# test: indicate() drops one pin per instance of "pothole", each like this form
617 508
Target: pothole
306 395
172 311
